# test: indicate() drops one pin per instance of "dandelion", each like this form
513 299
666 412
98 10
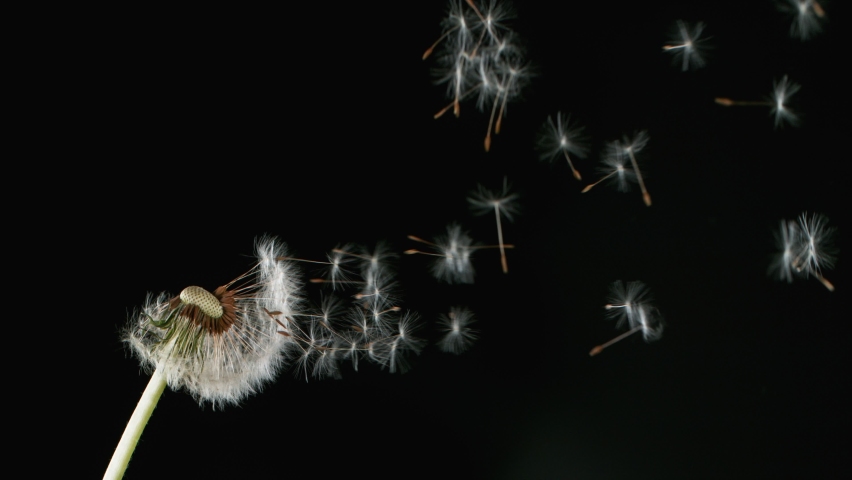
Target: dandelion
630 304
781 92
808 16
562 138
458 336
806 249
224 345
615 164
686 48
501 203
219 346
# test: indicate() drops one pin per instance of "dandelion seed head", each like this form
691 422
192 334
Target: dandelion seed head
220 346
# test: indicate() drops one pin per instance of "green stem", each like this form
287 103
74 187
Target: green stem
130 437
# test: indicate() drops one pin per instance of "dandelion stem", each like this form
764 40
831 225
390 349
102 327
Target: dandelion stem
303 260
570 164
825 282
472 247
742 103
500 239
418 239
430 49
500 116
350 282
645 195
454 103
505 245
589 186
478 43
624 335
491 123
130 437
443 110
475 9
415 251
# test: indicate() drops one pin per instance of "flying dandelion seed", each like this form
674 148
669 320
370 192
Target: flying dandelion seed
615 165
337 261
452 254
562 138
630 304
503 204
687 47
808 16
806 248
782 90
455 28
458 336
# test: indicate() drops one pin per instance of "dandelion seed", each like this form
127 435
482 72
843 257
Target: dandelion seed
562 138
781 92
786 239
452 254
630 304
390 349
501 203
492 23
407 324
337 272
806 249
808 16
458 336
452 251
511 78
455 28
615 169
686 48
615 164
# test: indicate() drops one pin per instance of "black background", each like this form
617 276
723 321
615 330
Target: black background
313 122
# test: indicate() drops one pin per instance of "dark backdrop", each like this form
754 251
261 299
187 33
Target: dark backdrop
313 122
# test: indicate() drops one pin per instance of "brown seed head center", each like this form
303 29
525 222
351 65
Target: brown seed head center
215 312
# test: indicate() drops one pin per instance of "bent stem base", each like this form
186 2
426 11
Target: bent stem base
137 422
